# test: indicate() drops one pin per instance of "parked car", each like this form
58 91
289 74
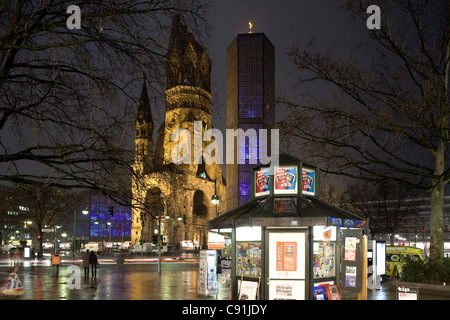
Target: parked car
93 246
164 249
146 248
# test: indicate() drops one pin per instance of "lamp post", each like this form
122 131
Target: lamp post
215 197
85 211
56 238
108 223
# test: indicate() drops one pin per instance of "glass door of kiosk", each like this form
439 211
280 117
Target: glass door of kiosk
286 263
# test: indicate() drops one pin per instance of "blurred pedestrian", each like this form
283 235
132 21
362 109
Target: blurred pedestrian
16 257
86 264
93 261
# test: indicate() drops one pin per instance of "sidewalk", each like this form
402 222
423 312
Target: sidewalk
384 293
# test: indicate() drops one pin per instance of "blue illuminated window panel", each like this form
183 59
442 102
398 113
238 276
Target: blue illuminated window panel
99 212
244 189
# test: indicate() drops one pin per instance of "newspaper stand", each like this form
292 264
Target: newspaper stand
286 241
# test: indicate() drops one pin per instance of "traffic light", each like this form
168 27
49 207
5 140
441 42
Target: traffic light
39 237
111 212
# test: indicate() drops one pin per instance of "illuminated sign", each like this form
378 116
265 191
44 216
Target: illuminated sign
215 241
308 181
262 182
285 180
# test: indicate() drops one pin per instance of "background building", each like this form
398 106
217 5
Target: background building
250 104
104 210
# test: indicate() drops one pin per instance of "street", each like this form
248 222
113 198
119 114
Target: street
136 278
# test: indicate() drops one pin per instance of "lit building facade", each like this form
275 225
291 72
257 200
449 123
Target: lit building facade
250 105
174 200
109 220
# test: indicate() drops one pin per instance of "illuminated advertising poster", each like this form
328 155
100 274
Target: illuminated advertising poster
262 182
215 241
350 249
285 180
207 277
350 276
308 182
286 256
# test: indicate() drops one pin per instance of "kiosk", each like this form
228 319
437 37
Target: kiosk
287 244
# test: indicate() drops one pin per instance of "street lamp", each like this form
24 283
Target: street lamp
85 211
215 197
108 223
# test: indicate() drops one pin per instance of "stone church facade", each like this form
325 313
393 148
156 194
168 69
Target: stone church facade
176 198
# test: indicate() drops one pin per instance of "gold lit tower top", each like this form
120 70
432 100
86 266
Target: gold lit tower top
250 26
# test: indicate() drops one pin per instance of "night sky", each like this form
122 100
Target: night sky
284 23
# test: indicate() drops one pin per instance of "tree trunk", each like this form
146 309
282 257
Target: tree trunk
437 206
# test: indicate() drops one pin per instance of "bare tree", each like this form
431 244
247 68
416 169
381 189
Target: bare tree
388 121
68 96
44 207
389 210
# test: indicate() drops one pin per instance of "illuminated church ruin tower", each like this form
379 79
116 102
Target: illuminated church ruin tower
176 198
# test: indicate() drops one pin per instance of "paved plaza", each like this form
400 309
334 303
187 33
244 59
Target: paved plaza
133 278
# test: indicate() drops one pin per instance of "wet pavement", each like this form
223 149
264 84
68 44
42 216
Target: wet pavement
133 279
130 279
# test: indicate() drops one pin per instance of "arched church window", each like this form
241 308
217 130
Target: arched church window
199 209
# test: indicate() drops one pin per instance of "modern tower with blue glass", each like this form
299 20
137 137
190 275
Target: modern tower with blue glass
250 104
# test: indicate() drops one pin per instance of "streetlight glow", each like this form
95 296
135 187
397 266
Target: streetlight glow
215 199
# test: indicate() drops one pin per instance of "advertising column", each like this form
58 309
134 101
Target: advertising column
207 273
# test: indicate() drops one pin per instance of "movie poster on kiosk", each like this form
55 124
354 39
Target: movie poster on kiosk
286 180
308 181
262 182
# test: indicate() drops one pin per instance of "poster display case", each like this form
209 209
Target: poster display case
207 276
324 260
324 252
262 182
248 262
